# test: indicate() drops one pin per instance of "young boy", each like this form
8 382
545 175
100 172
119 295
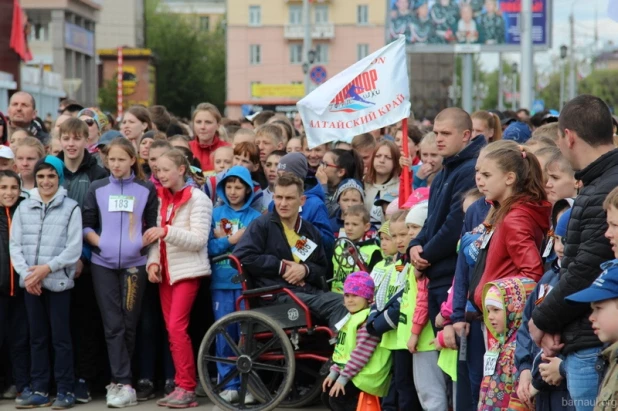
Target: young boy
364 144
45 245
268 138
360 364
80 170
243 135
350 192
356 225
13 327
229 222
561 182
270 171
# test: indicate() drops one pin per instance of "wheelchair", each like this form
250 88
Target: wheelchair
276 350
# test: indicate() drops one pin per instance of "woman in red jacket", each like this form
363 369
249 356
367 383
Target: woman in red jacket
205 122
511 178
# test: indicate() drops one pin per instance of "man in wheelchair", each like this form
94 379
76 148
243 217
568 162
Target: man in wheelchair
282 249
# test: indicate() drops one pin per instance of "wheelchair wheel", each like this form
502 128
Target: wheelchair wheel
261 342
307 385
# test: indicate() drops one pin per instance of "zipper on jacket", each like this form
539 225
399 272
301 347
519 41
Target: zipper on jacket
121 214
38 243
11 272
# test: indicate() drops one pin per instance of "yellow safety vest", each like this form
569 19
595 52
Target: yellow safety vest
406 314
340 273
374 378
389 338
447 361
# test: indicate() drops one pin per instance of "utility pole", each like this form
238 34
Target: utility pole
526 82
500 84
572 75
466 82
307 44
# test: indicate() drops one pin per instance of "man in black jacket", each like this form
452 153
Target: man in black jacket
280 248
586 140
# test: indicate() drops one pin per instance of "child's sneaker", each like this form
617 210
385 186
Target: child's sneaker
23 396
145 390
230 396
170 387
82 392
36 400
199 390
112 390
125 397
10 393
183 399
165 400
64 401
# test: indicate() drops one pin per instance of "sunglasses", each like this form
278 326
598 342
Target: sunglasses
89 121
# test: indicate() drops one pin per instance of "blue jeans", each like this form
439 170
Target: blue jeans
224 303
582 377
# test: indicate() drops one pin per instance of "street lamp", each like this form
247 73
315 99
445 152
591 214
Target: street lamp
563 54
514 68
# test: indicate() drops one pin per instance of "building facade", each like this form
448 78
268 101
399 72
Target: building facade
204 14
121 23
265 47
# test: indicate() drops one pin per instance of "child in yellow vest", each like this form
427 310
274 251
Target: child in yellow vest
360 364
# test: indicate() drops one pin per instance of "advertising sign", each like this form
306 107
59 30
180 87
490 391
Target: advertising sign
435 26
277 90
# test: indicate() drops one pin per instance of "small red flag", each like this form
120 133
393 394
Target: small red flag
18 34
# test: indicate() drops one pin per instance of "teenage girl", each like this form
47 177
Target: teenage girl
487 124
27 152
336 166
176 262
135 122
511 178
121 208
382 178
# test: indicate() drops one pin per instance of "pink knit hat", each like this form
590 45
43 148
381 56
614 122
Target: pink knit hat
360 284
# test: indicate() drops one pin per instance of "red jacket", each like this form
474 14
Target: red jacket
514 249
203 151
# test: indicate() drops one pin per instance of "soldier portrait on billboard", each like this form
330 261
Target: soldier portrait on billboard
491 24
467 31
444 16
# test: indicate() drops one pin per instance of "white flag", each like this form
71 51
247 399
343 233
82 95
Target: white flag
368 95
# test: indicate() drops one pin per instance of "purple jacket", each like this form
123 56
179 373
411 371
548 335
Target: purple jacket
121 232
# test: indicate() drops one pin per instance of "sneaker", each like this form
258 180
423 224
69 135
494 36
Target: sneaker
145 390
170 387
249 398
183 399
64 401
230 396
164 401
35 400
10 393
22 396
125 397
199 390
82 392
112 390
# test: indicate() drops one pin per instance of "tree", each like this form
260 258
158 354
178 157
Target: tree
190 64
603 84
108 95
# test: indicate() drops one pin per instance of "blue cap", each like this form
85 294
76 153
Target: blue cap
518 132
605 287
108 136
563 222
55 162
386 198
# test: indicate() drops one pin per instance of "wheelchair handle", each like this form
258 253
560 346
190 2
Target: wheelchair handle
359 261
234 261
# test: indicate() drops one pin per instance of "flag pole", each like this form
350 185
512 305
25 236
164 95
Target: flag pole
403 197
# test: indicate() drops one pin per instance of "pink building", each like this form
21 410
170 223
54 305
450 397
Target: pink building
265 47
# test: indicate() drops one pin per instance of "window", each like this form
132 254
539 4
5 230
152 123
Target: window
296 53
362 51
321 53
255 15
255 54
321 14
296 14
362 14
204 23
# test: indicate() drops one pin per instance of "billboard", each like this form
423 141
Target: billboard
435 26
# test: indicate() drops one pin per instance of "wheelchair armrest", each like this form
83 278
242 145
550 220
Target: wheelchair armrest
263 290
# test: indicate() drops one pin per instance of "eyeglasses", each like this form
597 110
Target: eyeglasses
89 121
322 163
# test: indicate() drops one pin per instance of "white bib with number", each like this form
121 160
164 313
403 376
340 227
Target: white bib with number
305 251
486 239
121 203
548 248
489 363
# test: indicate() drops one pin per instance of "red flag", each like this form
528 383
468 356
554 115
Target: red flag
18 35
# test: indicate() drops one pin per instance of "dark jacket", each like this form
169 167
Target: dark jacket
585 249
78 183
264 245
442 229
9 280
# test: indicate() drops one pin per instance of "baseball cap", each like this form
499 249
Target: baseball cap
6 152
386 198
605 287
108 136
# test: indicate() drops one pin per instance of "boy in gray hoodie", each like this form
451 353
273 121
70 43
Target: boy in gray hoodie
45 244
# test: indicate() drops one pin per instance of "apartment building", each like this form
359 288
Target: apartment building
265 47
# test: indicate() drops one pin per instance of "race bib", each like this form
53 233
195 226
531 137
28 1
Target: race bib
548 248
343 322
489 363
304 248
121 203
486 239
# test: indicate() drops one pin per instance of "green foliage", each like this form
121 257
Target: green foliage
603 84
108 96
190 64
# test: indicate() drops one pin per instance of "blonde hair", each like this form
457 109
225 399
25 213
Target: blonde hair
31 142
428 139
492 120
177 157
208 107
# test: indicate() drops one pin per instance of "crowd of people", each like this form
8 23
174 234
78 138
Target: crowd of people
492 286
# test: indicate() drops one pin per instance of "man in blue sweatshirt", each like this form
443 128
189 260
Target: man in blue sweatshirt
434 251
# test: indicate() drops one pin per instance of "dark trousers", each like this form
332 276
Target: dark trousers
14 332
389 401
470 372
119 294
152 340
50 311
326 306
344 402
404 381
88 336
437 296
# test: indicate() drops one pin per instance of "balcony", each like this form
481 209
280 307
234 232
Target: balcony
318 31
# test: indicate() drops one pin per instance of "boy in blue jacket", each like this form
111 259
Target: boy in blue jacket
229 223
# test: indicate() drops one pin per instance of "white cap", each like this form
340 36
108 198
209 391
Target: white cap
418 214
6 152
